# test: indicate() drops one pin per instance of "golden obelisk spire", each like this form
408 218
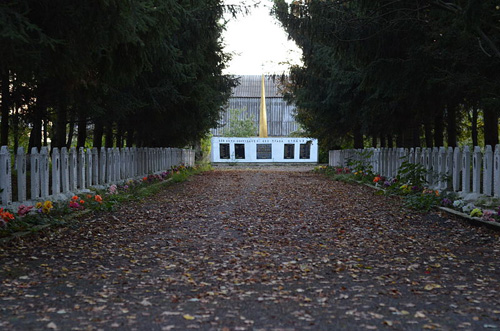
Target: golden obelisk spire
263 112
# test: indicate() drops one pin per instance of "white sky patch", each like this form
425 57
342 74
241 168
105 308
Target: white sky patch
258 43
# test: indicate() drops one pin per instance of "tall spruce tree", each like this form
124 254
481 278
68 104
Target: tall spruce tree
416 62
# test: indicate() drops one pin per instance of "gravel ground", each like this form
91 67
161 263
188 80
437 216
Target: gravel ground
255 249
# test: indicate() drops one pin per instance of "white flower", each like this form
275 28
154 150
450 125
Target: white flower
468 208
458 203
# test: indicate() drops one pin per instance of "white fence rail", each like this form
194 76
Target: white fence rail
68 171
471 172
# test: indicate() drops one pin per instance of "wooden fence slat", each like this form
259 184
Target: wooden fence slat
64 172
21 174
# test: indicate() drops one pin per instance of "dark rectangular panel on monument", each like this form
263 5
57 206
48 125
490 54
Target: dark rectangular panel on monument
305 151
289 151
264 151
239 151
224 151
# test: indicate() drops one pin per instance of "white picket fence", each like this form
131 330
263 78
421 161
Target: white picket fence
472 173
68 171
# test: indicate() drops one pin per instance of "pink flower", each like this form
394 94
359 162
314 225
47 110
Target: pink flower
113 189
23 210
74 205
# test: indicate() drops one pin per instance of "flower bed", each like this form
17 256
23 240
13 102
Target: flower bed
410 185
30 218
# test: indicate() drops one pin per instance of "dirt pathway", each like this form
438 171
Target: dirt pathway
255 250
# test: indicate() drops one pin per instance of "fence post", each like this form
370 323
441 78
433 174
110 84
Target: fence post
441 168
169 158
88 167
457 167
56 171
44 172
163 159
427 162
80 169
118 164
109 165
5 176
150 158
64 170
73 165
376 161
123 163
488 170
449 167
400 157
174 157
133 162
35 173
95 166
434 152
417 155
466 170
423 159
411 156
139 161
476 170
156 159
21 174
496 170
102 166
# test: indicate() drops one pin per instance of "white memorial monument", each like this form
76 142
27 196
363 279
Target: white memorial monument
264 149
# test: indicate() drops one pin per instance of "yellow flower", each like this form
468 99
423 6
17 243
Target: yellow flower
38 205
47 206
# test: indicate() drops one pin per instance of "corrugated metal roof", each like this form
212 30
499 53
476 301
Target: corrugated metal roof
250 87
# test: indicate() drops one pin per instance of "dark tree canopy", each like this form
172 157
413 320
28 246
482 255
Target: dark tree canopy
142 72
401 72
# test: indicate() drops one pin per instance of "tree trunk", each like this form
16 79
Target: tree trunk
382 141
390 143
358 137
108 141
82 130
46 132
38 113
428 132
408 136
71 130
6 104
451 119
473 120
439 129
98 132
15 129
490 127
400 137
130 138
60 127
119 136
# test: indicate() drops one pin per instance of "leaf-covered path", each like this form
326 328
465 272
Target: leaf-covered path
255 250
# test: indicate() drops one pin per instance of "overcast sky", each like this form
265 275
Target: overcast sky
258 44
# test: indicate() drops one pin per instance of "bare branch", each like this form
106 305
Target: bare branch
490 42
482 48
